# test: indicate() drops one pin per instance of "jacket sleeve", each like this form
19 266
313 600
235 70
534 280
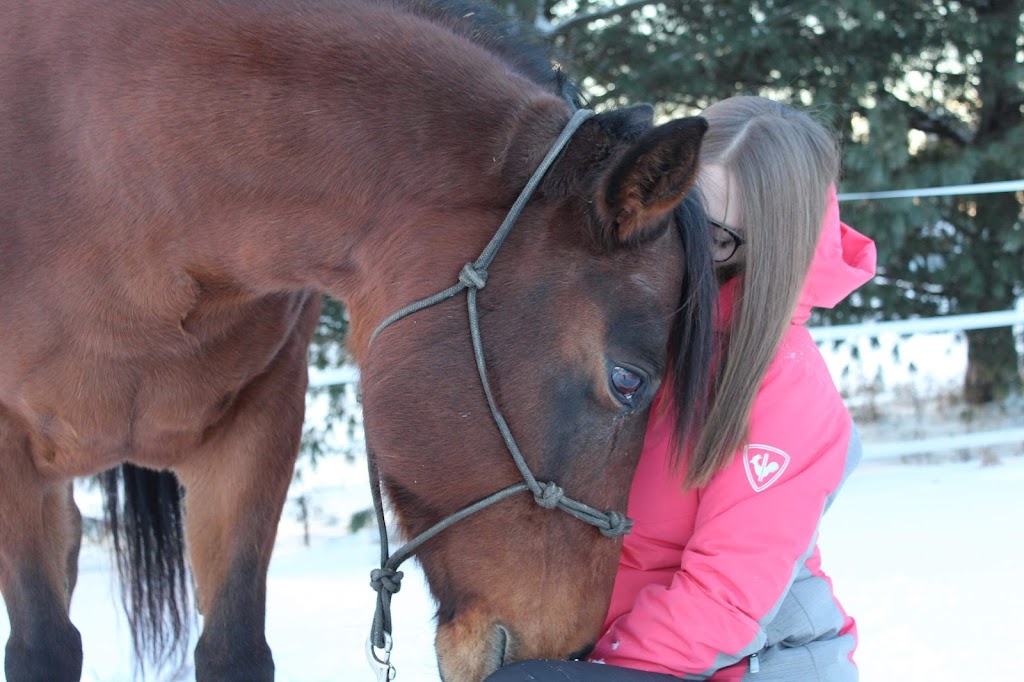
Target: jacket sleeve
756 524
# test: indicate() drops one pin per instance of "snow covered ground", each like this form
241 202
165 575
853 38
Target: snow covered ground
926 557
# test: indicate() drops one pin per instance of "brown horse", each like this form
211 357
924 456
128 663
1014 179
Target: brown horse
179 182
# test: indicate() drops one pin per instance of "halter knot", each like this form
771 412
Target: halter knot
550 495
473 277
386 579
618 524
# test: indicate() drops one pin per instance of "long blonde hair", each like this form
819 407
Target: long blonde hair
780 163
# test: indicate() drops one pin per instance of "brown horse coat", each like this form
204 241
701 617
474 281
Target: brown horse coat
179 182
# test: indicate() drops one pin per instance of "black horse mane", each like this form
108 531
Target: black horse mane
691 341
514 41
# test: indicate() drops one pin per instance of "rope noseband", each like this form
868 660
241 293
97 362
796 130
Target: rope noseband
387 580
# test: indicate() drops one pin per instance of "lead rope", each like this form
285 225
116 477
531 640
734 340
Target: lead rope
387 580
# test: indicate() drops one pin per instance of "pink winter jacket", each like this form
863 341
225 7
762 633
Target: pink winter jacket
724 582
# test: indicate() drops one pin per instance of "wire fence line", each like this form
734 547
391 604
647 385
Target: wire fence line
945 191
929 325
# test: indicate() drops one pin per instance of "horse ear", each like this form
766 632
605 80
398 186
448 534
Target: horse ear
627 124
647 180
589 150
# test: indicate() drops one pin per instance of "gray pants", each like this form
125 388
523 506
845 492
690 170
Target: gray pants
573 671
814 661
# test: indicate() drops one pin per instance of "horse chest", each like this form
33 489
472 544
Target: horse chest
106 418
86 413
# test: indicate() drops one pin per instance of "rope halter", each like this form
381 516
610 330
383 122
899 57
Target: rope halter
386 580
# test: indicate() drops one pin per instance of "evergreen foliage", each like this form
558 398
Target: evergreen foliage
922 92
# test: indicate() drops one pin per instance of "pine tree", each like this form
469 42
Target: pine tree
924 93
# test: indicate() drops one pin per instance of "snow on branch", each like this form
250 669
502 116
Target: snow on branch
583 19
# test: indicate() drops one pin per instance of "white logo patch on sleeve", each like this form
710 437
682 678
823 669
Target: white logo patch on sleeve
764 465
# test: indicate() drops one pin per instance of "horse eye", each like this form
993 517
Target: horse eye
626 383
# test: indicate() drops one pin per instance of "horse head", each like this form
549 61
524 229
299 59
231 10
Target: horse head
592 300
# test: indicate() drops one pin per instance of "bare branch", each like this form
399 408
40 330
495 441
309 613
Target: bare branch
908 285
584 19
928 122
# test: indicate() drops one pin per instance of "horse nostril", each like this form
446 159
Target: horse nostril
504 644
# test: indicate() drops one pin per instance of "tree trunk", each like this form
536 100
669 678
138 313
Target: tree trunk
993 367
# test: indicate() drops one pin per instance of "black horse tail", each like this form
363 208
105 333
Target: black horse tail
143 510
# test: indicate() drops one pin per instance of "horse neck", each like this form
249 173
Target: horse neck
305 147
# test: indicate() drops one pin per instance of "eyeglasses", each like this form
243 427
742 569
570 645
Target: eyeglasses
724 241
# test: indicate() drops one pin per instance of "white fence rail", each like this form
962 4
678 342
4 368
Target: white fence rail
958 441
872 450
944 324
322 378
950 323
920 325
931 325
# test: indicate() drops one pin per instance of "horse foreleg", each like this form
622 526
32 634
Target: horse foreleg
40 530
75 540
235 488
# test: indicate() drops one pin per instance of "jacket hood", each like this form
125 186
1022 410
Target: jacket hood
844 260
